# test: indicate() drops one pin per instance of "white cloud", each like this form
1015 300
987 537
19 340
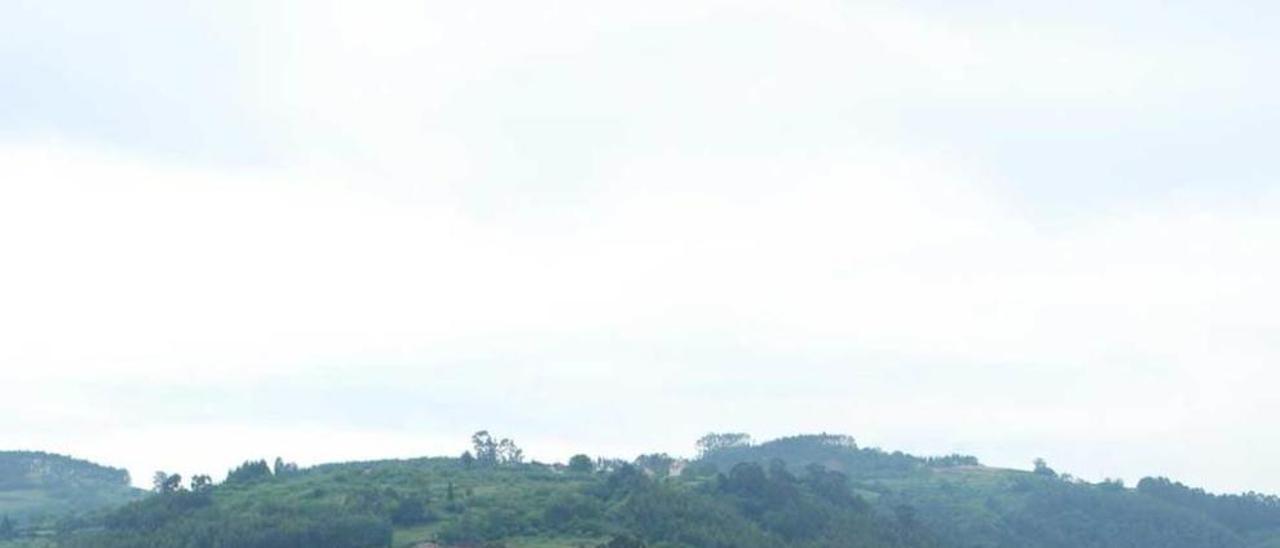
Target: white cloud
644 224
928 301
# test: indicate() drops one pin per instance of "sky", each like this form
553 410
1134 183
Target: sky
334 230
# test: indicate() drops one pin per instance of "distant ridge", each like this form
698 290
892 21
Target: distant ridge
36 486
805 491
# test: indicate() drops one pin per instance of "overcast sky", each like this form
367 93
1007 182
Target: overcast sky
342 230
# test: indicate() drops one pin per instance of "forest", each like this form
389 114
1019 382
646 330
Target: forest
803 491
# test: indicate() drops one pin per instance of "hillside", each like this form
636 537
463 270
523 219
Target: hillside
805 491
39 488
976 506
403 503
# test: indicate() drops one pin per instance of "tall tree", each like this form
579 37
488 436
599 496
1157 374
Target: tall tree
509 453
656 464
201 483
486 448
172 484
283 469
581 463
158 480
163 483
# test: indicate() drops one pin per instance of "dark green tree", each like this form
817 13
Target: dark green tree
158 480
201 483
250 471
1042 469
164 483
409 511
581 464
282 469
486 449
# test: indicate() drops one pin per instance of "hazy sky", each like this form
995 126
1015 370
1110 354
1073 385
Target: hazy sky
339 230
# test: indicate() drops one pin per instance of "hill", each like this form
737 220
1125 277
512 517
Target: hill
37 489
971 505
404 503
803 491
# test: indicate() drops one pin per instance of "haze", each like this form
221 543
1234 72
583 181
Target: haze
341 230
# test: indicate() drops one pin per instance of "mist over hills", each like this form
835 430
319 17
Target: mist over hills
810 491
38 487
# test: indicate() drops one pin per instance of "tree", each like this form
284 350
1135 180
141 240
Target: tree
581 463
158 480
1112 484
282 469
493 453
1042 469
409 511
746 478
164 483
656 464
250 471
713 442
778 471
467 460
831 485
509 453
201 483
173 483
610 465
486 448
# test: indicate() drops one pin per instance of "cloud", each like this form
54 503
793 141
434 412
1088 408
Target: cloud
889 288
643 224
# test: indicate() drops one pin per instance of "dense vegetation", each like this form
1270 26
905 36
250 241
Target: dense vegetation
1251 515
969 505
804 491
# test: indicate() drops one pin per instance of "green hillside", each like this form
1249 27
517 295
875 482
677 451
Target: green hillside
804 491
404 503
969 505
37 489
37 486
